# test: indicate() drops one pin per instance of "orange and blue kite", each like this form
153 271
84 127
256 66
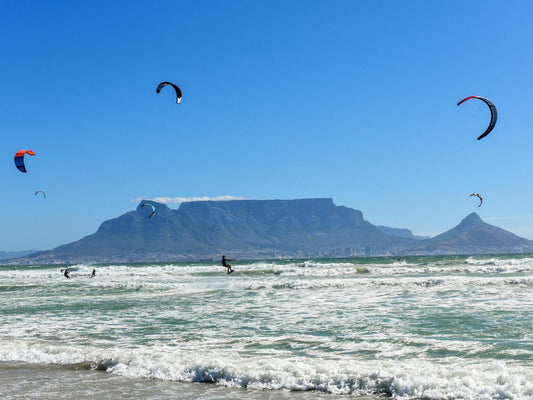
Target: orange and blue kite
19 159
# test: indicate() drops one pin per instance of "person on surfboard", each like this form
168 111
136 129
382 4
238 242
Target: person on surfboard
67 273
93 274
225 264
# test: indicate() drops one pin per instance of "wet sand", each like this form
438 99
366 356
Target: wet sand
43 382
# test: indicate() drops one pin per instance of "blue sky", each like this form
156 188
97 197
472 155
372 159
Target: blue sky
354 100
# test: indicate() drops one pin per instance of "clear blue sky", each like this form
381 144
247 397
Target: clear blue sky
354 100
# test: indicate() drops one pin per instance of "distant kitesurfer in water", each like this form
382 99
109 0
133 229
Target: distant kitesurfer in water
225 264
93 274
67 273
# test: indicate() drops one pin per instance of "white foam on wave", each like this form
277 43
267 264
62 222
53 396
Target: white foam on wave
400 379
275 335
173 280
165 275
301 285
502 264
402 263
323 272
485 267
366 281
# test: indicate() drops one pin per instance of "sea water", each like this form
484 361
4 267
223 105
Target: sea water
419 327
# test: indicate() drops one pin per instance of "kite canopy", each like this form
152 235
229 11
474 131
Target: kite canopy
493 114
176 88
19 159
480 198
40 191
149 205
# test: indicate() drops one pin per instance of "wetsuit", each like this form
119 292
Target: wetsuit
225 264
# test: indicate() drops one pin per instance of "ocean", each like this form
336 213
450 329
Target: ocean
445 327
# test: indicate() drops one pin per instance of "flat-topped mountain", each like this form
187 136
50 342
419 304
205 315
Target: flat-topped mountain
243 228
265 229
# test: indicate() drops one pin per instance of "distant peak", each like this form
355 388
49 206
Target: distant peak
471 218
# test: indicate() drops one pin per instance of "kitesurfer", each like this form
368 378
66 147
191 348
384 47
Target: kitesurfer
225 264
67 273
93 273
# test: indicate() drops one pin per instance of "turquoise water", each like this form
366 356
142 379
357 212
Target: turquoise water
422 327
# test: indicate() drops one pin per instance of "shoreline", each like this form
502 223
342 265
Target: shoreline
56 382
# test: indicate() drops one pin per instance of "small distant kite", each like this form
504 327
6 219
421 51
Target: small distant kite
176 88
493 114
480 198
19 159
149 205
40 191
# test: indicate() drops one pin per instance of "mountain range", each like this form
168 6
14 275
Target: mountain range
256 229
5 255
